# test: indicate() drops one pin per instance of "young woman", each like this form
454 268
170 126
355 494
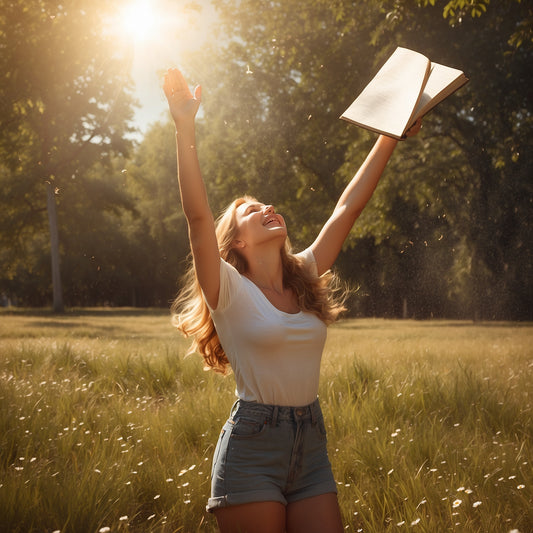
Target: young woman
253 305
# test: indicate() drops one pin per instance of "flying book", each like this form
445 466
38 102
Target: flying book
406 87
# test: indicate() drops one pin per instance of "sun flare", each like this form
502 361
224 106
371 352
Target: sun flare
139 20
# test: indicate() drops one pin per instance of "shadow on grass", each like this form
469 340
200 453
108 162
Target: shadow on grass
86 311
378 323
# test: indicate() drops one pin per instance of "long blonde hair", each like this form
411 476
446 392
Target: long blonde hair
319 295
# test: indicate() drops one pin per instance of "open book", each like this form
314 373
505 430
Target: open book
406 87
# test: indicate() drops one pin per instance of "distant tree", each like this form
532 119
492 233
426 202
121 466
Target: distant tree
65 103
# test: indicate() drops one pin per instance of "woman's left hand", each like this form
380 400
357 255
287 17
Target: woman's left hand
183 105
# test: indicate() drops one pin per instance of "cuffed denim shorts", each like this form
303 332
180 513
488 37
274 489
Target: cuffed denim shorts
270 453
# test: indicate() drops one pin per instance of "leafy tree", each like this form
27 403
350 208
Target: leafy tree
488 143
455 11
65 102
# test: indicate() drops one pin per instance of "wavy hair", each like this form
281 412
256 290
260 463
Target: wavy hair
321 296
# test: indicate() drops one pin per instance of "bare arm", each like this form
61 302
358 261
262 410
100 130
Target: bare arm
183 108
356 195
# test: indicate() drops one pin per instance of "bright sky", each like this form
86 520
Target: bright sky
156 33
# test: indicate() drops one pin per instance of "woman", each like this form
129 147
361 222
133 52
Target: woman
253 305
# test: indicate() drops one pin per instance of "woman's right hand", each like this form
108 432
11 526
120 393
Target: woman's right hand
183 105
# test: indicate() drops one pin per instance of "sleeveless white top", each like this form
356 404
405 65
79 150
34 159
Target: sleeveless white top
275 356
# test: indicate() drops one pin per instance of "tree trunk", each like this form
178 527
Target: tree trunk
57 305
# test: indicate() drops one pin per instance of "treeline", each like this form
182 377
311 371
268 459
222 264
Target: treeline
447 234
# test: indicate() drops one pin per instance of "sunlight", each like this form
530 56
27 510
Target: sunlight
150 36
149 27
139 21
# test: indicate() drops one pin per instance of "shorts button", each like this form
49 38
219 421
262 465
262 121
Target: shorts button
300 412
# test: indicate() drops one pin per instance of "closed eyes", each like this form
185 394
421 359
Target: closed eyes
252 209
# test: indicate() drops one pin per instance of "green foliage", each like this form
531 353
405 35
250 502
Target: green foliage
455 12
65 102
61 118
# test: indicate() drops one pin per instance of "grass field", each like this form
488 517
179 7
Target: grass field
106 426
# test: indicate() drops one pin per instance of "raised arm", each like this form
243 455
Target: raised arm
183 107
358 192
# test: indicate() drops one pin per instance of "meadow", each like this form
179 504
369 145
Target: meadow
106 425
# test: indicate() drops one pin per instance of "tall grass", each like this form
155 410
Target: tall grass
104 423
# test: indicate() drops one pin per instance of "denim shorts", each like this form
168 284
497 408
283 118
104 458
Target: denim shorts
270 453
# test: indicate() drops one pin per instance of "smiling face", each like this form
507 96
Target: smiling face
257 223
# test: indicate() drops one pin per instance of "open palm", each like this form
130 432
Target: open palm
183 105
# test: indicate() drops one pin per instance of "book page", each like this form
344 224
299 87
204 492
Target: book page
442 82
388 101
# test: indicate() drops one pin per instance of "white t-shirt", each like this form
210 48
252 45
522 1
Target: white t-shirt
275 356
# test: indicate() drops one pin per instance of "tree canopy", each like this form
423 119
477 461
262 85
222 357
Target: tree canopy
65 103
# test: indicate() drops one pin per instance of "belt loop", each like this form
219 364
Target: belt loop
234 408
274 416
313 409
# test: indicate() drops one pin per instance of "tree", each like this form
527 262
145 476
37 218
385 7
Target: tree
65 102
489 146
455 11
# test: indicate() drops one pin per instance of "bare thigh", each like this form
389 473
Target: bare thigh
260 517
319 514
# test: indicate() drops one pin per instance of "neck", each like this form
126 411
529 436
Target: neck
266 271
